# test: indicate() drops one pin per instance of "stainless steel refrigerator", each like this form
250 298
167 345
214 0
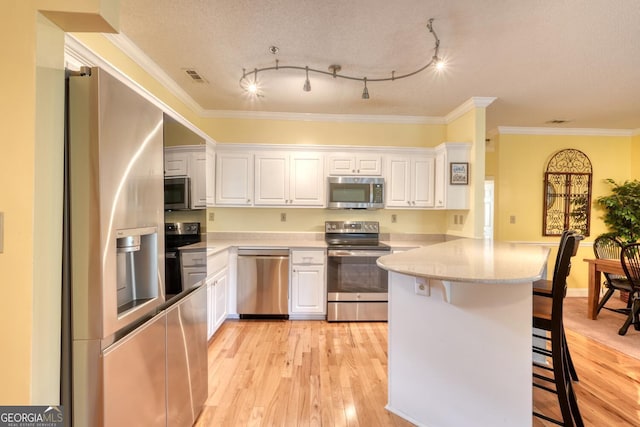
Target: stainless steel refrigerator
116 256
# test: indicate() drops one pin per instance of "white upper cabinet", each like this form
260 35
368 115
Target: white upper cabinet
289 179
191 161
448 195
234 178
176 163
210 178
306 179
355 164
198 174
410 181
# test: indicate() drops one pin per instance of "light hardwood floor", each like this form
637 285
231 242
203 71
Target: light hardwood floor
314 373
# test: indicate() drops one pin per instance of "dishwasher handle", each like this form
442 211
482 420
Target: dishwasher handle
253 252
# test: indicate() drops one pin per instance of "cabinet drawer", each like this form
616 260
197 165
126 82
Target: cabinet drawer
194 258
307 257
217 262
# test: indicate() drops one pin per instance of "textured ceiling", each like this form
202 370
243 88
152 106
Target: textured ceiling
544 60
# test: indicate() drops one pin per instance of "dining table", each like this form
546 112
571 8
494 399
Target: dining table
597 266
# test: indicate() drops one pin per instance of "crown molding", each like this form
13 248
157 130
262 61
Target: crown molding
123 43
509 130
469 105
318 117
78 54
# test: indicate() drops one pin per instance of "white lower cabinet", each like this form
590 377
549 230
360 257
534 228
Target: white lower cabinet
217 291
308 298
216 301
194 267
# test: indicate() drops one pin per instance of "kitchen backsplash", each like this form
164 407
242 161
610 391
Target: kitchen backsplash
312 220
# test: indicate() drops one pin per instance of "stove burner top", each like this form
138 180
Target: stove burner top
179 234
353 235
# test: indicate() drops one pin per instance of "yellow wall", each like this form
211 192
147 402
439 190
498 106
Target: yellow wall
325 133
31 83
470 127
635 157
312 220
522 160
175 134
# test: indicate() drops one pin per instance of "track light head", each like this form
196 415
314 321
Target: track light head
365 92
307 83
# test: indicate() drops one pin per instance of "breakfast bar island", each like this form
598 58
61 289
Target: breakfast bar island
460 323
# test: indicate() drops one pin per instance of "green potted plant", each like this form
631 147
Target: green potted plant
622 213
622 210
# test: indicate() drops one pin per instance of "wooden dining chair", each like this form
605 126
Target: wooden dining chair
609 247
554 377
630 259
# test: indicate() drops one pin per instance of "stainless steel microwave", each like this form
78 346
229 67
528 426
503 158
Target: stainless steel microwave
352 192
177 193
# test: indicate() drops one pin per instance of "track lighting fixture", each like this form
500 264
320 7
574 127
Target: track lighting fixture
250 84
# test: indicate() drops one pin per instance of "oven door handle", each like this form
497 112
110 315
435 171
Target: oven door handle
345 253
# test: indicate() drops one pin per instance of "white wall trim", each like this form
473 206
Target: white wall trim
510 130
468 105
232 146
577 292
317 117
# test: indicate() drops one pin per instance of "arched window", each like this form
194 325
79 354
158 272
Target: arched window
567 193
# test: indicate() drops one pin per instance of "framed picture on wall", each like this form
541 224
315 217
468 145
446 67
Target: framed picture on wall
459 173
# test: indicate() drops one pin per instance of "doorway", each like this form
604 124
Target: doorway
489 186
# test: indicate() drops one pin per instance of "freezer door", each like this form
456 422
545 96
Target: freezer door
134 377
187 378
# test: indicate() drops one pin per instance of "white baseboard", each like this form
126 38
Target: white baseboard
577 292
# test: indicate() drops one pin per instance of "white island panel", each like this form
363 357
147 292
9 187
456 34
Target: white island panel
466 359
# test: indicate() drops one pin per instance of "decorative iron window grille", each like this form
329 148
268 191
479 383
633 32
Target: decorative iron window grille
567 193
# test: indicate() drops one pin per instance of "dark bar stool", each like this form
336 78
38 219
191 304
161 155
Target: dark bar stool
547 316
543 288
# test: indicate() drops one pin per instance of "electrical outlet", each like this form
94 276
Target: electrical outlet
212 216
394 218
283 217
512 219
421 288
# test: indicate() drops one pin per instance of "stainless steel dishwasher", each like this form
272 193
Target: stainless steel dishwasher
263 283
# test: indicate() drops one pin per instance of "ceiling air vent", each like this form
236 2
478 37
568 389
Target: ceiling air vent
195 76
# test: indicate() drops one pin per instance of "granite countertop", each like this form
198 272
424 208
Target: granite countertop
471 260
217 242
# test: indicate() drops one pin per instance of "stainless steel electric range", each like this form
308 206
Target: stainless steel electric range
357 289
